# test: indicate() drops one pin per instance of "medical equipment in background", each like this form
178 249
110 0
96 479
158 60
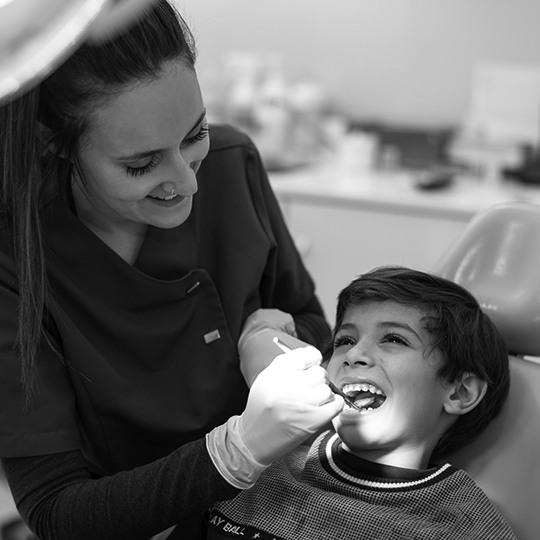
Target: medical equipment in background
497 258
36 35
502 119
286 117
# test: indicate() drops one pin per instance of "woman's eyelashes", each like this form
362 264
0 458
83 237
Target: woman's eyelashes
139 171
151 165
199 136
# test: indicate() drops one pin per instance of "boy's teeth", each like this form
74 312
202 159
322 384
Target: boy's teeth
356 387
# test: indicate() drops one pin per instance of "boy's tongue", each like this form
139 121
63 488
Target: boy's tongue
364 399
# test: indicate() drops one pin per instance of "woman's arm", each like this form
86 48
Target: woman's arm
59 500
293 289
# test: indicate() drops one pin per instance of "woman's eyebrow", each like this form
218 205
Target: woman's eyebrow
146 153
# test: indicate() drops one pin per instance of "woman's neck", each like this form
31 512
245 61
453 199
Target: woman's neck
125 244
123 237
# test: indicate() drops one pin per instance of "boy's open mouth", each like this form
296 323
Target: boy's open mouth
365 396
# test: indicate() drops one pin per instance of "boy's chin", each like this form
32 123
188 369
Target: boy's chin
353 431
353 442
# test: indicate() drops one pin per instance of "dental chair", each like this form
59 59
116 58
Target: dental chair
497 258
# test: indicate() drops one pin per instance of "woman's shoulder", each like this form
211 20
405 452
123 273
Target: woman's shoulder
225 136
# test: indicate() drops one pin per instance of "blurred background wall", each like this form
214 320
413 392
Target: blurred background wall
398 61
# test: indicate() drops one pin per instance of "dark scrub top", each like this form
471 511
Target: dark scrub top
149 351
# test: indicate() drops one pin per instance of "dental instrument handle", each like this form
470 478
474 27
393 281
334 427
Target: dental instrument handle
281 345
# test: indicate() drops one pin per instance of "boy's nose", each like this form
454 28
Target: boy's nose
358 356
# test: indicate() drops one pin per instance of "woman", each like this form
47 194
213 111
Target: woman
131 254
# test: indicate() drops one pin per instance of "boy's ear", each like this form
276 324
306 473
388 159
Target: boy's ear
465 394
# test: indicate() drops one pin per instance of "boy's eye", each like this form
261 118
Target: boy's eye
343 341
199 136
394 338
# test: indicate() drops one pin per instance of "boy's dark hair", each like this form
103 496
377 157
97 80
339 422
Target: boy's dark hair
468 339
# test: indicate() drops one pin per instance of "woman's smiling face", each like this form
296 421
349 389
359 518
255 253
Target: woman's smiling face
382 356
142 144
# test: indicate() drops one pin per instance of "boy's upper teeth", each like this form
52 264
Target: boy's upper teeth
361 387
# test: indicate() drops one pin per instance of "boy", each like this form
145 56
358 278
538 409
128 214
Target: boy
427 371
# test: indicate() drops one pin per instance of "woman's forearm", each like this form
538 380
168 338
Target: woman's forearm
59 500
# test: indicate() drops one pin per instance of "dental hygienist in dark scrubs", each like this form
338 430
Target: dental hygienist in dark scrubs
135 243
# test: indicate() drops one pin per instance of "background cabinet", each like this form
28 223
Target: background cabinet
347 223
341 239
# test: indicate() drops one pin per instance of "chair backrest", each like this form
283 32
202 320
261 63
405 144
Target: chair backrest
497 258
505 459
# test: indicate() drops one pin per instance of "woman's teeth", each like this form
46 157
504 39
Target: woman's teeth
166 198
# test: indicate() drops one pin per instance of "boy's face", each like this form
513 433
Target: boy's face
381 360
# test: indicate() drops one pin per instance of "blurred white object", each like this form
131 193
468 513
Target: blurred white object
284 117
357 151
504 104
271 111
36 35
503 115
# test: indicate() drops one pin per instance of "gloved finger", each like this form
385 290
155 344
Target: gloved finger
298 359
327 411
310 377
319 395
305 399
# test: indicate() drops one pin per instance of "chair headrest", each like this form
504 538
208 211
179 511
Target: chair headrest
497 258
503 459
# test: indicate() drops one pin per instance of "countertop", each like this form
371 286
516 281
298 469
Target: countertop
395 191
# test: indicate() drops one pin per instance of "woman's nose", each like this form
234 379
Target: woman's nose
183 177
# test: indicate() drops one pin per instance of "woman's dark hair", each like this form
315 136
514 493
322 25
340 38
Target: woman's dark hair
41 132
468 339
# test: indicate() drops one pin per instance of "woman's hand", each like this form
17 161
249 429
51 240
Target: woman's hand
288 402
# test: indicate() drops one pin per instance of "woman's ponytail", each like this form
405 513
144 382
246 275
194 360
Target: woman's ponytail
40 134
20 151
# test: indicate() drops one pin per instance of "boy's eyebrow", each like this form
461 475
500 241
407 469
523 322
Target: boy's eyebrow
384 324
404 326
146 153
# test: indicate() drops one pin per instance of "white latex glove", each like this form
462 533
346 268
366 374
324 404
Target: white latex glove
268 318
255 347
288 402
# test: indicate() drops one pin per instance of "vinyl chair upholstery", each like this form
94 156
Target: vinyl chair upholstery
497 258
505 459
